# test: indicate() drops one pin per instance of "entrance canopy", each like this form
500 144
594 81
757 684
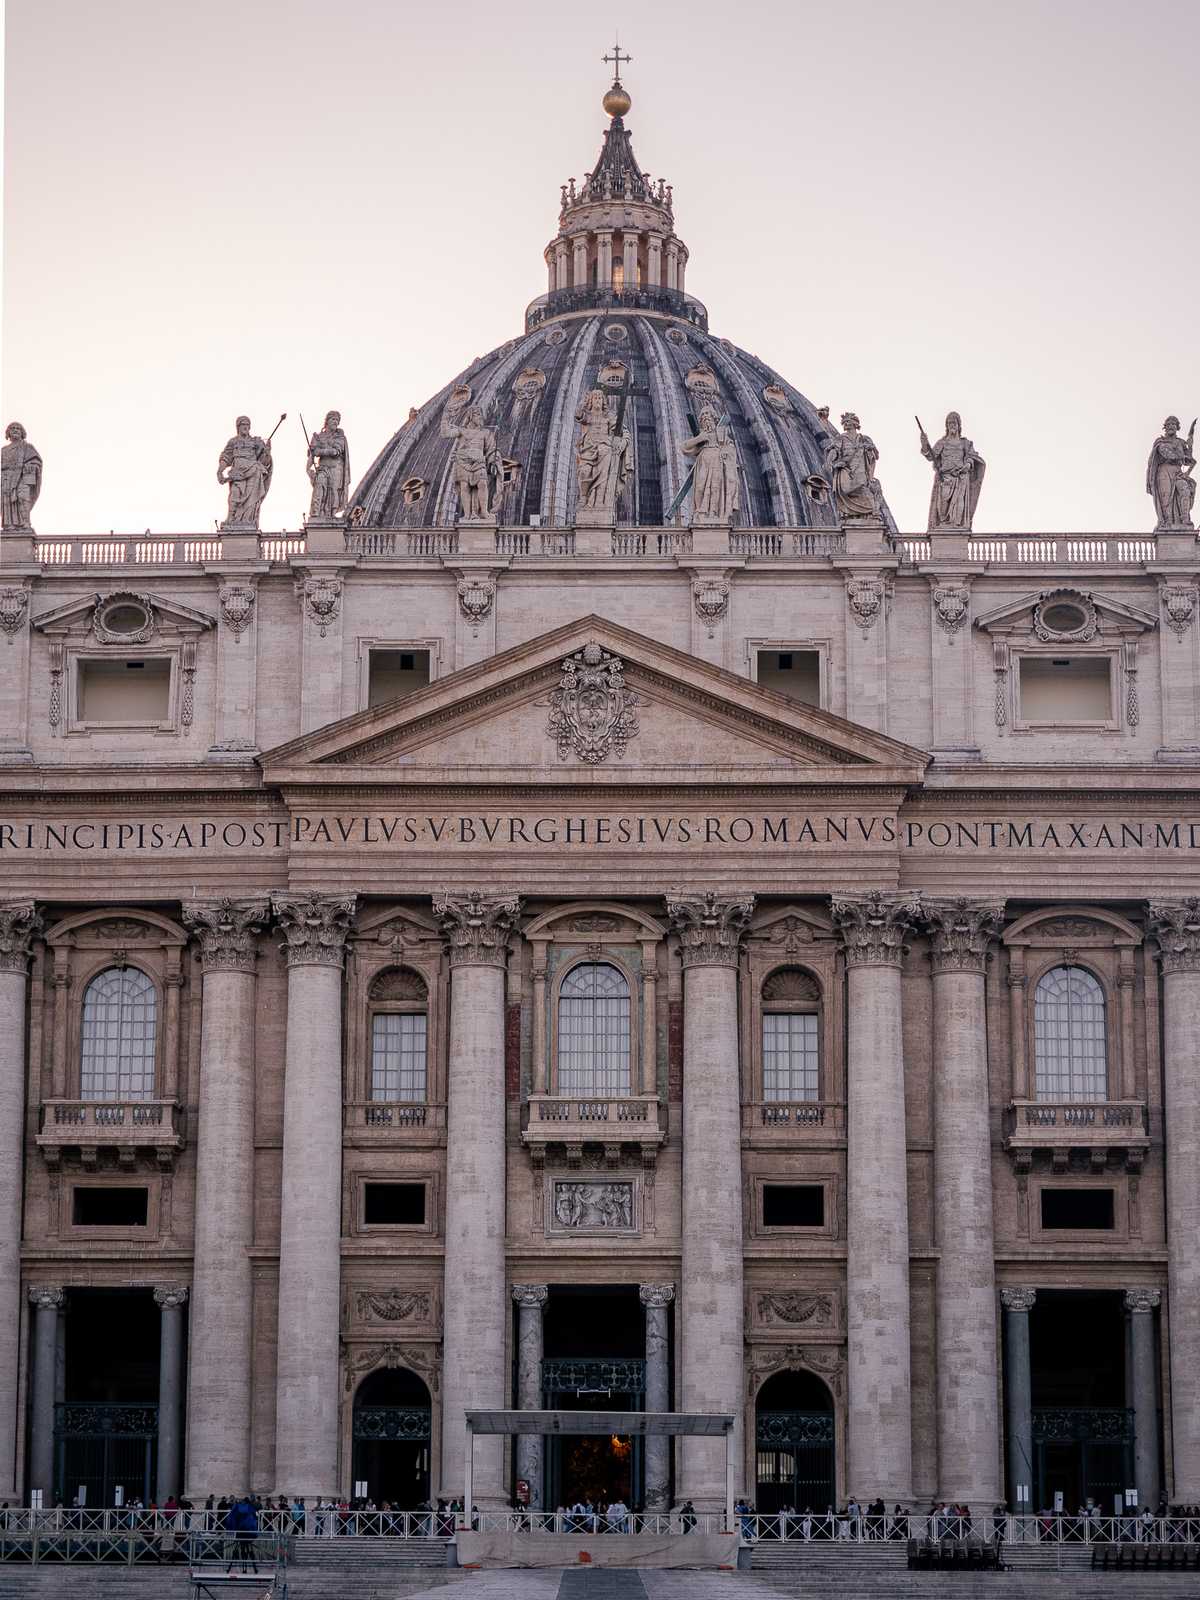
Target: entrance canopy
643 1423
705 1424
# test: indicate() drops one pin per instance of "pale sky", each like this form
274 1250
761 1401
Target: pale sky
285 205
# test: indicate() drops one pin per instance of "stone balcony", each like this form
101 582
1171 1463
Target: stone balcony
391 1122
620 1124
791 1124
118 1132
1102 1132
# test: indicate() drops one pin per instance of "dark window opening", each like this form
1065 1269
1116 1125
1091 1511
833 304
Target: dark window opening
793 1205
393 1205
393 674
124 1207
1077 1208
794 673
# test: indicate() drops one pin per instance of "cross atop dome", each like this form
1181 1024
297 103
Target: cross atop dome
617 101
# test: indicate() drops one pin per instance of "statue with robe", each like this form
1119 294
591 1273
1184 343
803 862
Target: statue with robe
20 478
715 487
328 470
601 456
958 471
850 458
245 467
1169 476
474 460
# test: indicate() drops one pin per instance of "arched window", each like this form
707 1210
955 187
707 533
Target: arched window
593 1031
791 1036
120 1025
1069 1037
399 1030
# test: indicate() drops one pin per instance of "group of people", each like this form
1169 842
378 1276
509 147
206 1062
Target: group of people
852 1521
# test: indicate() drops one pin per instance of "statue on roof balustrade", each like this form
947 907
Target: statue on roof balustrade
850 458
245 467
1169 476
602 456
715 487
328 469
20 478
475 459
958 470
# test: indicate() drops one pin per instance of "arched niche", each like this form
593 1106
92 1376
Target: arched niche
795 1438
392 1437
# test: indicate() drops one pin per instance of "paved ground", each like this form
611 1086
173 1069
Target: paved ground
600 1583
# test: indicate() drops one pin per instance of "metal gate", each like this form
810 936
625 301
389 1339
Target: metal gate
795 1461
99 1449
1081 1453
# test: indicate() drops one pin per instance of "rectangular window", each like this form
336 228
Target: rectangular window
1068 689
1078 1208
398 1055
795 673
124 692
396 673
793 1205
110 1207
394 1205
790 1056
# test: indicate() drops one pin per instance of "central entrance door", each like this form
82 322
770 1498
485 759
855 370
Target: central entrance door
392 1430
594 1343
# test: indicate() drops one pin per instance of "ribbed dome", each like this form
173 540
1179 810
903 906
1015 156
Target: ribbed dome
617 318
530 389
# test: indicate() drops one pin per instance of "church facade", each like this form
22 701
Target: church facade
602 913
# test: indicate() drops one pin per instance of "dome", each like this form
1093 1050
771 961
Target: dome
616 318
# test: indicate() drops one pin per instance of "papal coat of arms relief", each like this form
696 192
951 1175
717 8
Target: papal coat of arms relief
592 712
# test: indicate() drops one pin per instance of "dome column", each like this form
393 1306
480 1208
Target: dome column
654 246
682 273
630 261
561 279
579 255
604 244
672 264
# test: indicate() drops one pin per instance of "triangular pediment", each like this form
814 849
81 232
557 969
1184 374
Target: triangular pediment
593 701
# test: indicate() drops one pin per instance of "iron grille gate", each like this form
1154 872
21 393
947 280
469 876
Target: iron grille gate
1082 1452
569 1379
392 1422
98 1448
795 1467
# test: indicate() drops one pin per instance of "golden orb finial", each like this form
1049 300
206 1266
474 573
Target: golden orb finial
617 101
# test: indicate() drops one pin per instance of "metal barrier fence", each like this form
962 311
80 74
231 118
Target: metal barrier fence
133 1535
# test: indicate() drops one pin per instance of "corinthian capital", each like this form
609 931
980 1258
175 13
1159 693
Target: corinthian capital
171 1295
20 924
477 926
1018 1299
962 932
1176 926
874 928
709 928
46 1296
314 928
226 932
530 1294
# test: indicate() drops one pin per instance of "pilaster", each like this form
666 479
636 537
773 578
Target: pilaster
235 733
320 586
16 596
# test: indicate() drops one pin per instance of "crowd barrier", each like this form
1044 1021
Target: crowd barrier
68 1527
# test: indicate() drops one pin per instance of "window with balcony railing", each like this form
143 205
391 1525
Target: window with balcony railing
593 1031
791 1034
1070 1036
119 1036
399 1037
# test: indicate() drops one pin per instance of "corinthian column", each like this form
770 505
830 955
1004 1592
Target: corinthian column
476 1316
967 1407
530 1298
1176 926
879 1423
656 1297
20 922
310 1212
46 1299
710 1295
1018 1394
219 1353
170 1300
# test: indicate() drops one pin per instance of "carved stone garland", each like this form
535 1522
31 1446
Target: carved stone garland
226 931
592 712
321 599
